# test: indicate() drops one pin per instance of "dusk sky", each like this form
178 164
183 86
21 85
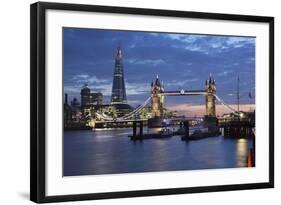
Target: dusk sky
182 61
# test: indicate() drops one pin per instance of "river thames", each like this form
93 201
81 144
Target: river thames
111 151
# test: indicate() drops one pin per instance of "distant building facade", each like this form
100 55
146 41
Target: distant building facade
78 116
88 99
67 110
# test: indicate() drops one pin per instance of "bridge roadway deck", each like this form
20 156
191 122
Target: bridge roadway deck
183 92
143 120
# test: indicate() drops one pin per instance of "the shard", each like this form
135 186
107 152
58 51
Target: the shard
118 87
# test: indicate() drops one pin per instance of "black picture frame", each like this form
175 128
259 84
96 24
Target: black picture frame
38 103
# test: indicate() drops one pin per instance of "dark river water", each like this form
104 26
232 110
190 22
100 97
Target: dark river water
111 151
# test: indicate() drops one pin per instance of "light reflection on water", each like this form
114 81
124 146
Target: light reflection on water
241 147
111 151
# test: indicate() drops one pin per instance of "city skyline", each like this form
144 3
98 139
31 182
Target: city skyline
182 61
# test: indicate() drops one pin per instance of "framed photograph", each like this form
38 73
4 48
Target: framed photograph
129 102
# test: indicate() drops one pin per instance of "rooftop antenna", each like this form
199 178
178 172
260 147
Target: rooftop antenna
250 96
238 97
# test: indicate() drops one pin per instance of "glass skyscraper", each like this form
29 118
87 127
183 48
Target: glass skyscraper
118 87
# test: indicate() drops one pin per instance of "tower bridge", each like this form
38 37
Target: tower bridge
158 93
156 100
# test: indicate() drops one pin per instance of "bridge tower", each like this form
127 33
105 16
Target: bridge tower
210 97
157 100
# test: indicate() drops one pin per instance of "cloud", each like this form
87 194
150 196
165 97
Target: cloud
239 41
153 62
182 83
81 76
72 89
153 34
224 73
194 47
184 38
137 88
209 44
85 78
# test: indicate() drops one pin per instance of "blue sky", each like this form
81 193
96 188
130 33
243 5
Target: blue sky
182 61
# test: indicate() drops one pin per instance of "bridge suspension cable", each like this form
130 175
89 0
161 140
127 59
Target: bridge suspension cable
127 116
226 105
139 108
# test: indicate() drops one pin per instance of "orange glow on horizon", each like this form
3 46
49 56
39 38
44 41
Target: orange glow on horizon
200 110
